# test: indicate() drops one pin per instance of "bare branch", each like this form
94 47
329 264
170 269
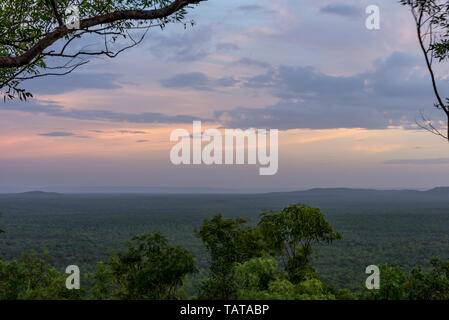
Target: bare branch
427 125
73 68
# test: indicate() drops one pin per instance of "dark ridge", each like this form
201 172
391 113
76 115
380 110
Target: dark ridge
38 193
345 191
439 190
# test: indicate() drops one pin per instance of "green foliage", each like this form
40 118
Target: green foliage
17 37
393 280
397 284
150 269
105 284
430 285
228 242
32 278
343 294
313 289
256 273
291 233
257 280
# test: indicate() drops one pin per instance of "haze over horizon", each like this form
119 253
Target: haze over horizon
187 190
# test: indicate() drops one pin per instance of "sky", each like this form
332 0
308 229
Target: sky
344 99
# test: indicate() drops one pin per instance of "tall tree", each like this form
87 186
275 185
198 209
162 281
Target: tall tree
228 242
431 19
36 41
150 269
292 232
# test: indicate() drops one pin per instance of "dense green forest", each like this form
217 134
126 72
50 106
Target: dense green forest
397 230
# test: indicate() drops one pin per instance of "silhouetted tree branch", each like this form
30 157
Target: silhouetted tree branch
31 34
432 25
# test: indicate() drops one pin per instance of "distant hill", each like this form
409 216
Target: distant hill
439 191
138 190
342 194
38 193
347 192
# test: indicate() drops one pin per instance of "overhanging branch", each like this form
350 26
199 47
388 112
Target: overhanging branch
62 31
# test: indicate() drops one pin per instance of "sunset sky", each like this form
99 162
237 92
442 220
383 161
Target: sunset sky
344 98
